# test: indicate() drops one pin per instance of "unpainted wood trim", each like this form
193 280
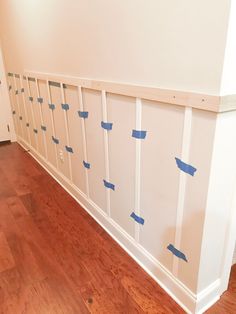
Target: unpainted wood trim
212 103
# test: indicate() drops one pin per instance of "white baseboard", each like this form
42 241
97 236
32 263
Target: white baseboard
190 302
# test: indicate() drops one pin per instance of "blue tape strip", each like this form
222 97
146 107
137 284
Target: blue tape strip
16 92
83 114
13 112
40 100
65 106
185 167
176 252
51 106
139 134
69 149
106 125
35 131
22 90
27 124
138 219
43 128
109 185
55 140
86 165
31 98
20 118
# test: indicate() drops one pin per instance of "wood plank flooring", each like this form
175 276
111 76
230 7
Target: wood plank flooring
54 258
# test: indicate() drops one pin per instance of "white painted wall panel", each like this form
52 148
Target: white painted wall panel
13 103
95 145
76 139
37 117
160 177
60 132
121 112
28 105
18 105
47 122
202 137
22 113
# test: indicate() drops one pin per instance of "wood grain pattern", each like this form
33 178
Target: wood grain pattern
57 259
175 97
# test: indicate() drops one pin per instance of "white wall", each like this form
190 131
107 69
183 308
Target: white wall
7 130
163 43
228 83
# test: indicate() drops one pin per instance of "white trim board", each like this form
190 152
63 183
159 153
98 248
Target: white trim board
189 301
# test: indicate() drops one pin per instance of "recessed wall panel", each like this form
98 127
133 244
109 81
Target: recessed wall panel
95 145
47 121
160 177
76 137
37 117
202 139
121 112
60 130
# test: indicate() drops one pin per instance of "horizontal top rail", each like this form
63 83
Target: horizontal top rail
181 98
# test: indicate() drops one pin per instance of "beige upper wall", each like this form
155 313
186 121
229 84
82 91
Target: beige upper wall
163 43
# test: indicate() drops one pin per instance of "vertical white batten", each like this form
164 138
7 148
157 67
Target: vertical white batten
42 121
26 112
52 120
67 130
138 144
186 142
18 106
106 151
83 130
32 112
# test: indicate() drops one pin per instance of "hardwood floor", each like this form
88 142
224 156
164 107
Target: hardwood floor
54 258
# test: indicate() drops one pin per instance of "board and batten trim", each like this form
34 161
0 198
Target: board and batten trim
189 301
211 103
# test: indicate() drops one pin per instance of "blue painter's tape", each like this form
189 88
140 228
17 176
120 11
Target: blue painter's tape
83 114
40 100
65 106
35 131
51 106
16 92
55 140
22 90
109 185
13 112
69 149
138 219
43 128
106 125
185 167
27 124
86 165
139 134
31 98
176 252
20 117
